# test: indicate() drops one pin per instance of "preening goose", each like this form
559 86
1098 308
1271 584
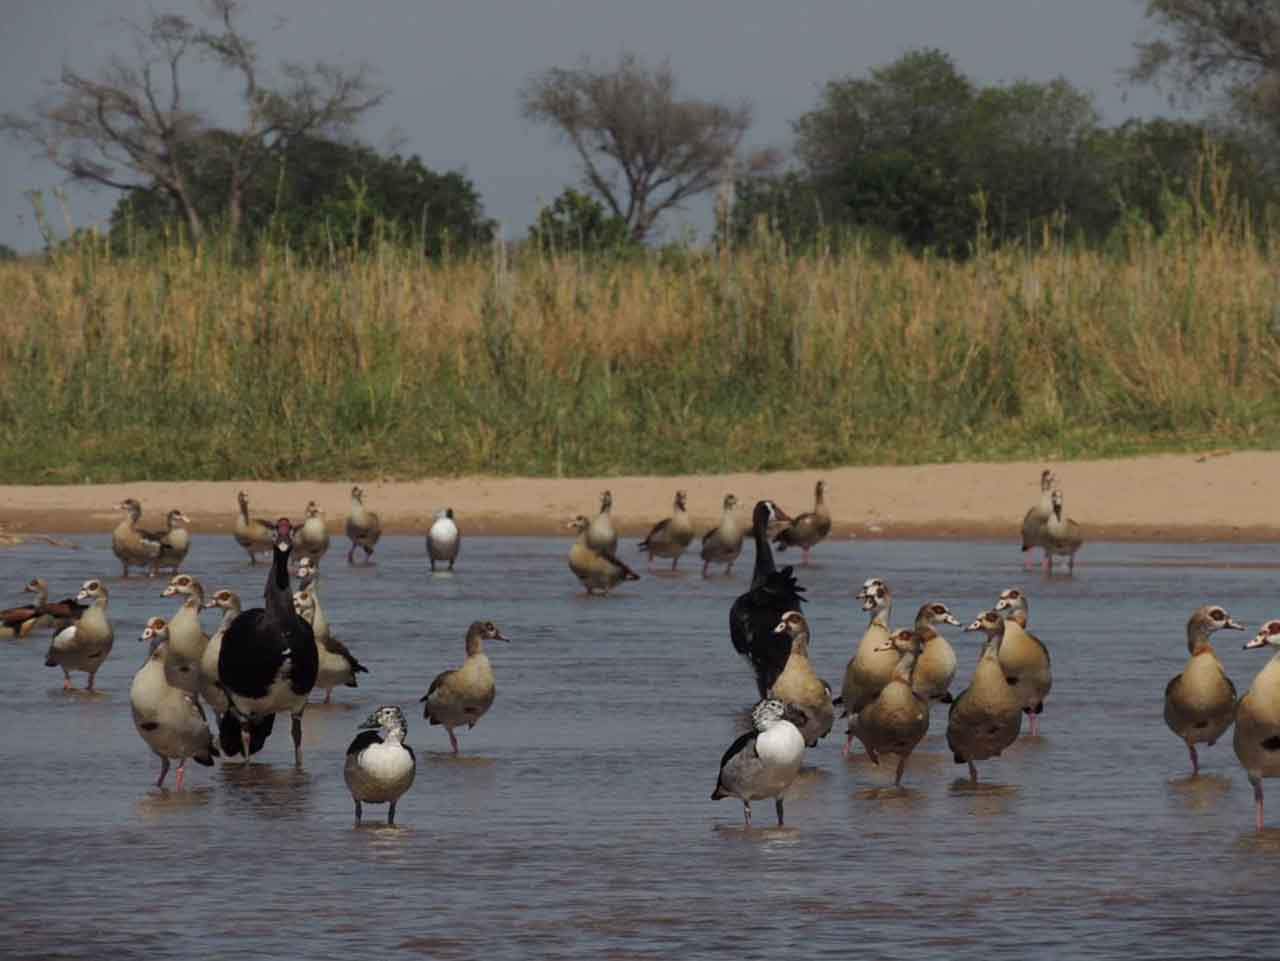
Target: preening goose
380 766
169 719
312 538
463 695
672 535
254 534
799 684
1024 657
268 662
1062 536
186 638
757 611
174 541
363 527
1200 703
133 547
599 571
898 718
84 645
443 539
1257 734
807 529
600 534
936 666
763 762
873 663
723 543
987 716
1034 520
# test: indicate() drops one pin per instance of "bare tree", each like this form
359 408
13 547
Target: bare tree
129 126
643 150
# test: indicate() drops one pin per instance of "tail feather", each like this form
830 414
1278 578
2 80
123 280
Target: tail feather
229 736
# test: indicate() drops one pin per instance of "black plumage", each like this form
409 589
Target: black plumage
756 612
231 740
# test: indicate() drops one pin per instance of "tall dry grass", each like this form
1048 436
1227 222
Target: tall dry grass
187 364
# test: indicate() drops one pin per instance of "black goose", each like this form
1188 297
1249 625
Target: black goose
268 662
757 612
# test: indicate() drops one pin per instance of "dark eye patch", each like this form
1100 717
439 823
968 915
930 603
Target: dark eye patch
938 609
1218 614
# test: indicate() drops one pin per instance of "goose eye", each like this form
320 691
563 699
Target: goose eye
939 609
1218 614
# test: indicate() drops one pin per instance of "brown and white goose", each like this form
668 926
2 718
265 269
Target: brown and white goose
1200 703
799 684
1034 520
936 665
898 718
600 533
363 527
174 540
670 537
312 538
808 529
986 716
599 571
337 664
21 620
134 548
211 684
1257 734
1062 537
1024 657
57 614
873 663
84 645
723 543
254 534
463 695
185 647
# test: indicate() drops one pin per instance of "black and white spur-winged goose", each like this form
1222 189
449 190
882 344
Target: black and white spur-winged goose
757 611
443 539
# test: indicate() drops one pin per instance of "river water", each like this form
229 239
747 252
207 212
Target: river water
577 823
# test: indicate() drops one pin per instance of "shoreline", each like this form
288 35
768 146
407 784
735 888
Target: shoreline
1217 496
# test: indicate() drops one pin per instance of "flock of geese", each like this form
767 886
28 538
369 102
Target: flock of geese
264 661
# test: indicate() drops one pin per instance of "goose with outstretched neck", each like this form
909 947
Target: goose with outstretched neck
268 662
757 611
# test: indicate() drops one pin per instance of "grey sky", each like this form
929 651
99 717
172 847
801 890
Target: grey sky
453 68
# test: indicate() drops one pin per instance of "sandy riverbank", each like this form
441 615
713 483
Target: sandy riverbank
1217 496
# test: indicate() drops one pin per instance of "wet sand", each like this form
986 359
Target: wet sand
1215 496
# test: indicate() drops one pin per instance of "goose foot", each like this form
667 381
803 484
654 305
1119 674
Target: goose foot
245 737
66 682
328 695
973 773
1195 758
1035 728
182 774
453 741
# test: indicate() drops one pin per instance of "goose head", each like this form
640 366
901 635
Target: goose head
357 495
243 500
904 641
681 501
875 595
1207 619
175 517
730 502
1013 604
284 531
131 506
93 590
36 586
819 489
155 633
186 585
989 622
1269 633
772 711
481 631
313 510
935 613
1046 481
227 600
766 512
389 719
304 602
444 513
579 524
796 627
606 501
1057 504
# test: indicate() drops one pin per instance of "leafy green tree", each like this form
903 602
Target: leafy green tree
575 221
7 253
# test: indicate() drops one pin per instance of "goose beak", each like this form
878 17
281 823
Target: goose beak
168 591
975 626
951 619
499 636
1233 624
779 514
1258 640
781 628
83 596
887 647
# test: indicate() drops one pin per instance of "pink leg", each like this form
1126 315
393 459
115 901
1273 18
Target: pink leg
1257 800
453 741
1195 759
182 773
1035 724
327 695
848 744
705 565
973 773
66 680
674 561
804 557
1048 563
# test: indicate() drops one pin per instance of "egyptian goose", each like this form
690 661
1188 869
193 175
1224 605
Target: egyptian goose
807 529
1200 703
380 767
873 663
363 528
84 645
463 695
268 662
1034 520
763 762
799 683
133 547
1023 656
443 539
898 718
312 538
936 665
174 540
599 571
757 611
186 638
211 685
600 534
1257 735
337 664
254 534
723 543
59 614
21 620
670 536
986 716
1062 537
169 719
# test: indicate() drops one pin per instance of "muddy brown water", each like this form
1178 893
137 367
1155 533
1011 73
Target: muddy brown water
577 822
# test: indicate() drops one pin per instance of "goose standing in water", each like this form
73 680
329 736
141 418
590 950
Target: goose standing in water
799 684
757 611
187 640
670 536
210 684
723 543
936 666
1062 537
268 662
462 696
1024 657
443 539
987 716
600 534
380 766
312 538
898 718
21 620
1200 703
337 664
1034 520
58 614
1257 734
873 663
134 548
599 571
254 534
363 528
808 529
84 645
174 540
763 762
169 719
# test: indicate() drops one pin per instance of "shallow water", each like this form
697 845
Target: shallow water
577 822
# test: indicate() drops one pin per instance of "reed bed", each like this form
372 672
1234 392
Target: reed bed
191 364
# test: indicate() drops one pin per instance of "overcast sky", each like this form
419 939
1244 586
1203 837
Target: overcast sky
453 68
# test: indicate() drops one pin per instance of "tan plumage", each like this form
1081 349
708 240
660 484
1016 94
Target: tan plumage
255 535
1257 735
134 548
337 665
1062 536
21 620
84 645
211 689
671 536
174 540
1034 520
599 571
169 719
1024 657
1200 703
462 696
600 533
363 527
936 666
986 716
799 684
808 529
872 664
898 717
311 539
723 543
184 649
